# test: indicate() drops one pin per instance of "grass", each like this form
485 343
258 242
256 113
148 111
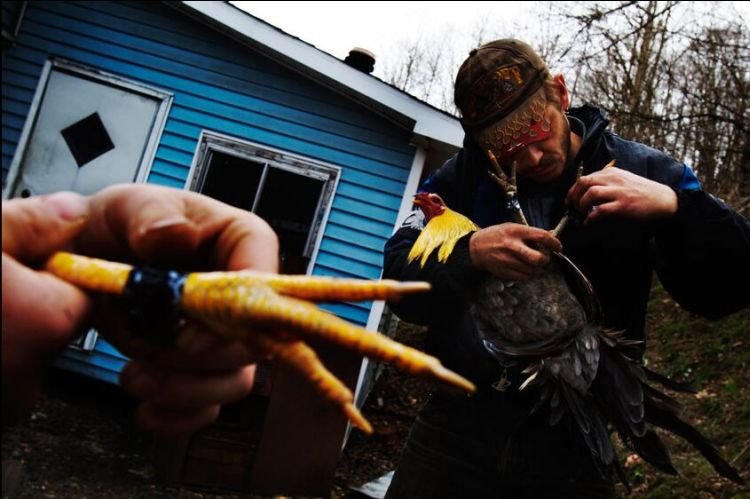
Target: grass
713 356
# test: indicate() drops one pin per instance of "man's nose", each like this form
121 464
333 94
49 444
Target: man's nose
532 156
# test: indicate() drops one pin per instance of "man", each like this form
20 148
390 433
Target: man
180 389
647 213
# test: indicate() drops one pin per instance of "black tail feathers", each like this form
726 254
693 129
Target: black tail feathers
659 416
622 385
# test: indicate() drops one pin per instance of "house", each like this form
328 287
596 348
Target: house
203 96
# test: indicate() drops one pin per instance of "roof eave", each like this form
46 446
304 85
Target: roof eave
403 109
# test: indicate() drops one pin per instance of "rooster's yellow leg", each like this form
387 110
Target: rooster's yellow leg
508 185
212 297
318 288
299 357
92 274
232 302
564 220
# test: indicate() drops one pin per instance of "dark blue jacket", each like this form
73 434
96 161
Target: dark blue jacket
701 254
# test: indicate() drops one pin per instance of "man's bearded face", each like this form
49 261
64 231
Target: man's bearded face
535 137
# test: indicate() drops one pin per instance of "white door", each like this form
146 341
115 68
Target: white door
89 131
86 130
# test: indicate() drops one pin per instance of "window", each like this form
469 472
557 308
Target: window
87 139
291 193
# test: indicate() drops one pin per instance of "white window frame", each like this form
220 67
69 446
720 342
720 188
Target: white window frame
210 142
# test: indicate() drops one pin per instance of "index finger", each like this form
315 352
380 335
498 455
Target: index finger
579 188
167 226
542 238
584 183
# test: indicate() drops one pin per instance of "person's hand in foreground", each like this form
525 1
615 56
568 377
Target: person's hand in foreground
180 388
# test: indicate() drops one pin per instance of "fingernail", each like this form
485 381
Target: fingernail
166 222
68 205
167 225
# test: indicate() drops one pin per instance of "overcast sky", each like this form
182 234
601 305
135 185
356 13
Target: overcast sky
337 27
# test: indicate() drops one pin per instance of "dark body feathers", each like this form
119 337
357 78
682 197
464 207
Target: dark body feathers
549 327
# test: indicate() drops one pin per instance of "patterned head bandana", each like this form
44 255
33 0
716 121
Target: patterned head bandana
524 126
500 92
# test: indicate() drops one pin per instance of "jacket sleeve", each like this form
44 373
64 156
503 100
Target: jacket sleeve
703 255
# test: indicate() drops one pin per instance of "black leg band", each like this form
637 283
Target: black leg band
152 298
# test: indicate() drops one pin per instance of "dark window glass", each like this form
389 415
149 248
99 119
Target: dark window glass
232 180
87 139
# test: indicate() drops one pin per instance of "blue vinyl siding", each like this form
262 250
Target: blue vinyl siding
225 87
11 10
104 363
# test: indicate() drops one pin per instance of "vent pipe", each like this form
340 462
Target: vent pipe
361 59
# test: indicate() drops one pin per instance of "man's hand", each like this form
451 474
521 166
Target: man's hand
616 192
512 251
181 387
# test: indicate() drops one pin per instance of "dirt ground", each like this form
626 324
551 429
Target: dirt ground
82 443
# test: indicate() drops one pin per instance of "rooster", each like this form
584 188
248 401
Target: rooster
549 327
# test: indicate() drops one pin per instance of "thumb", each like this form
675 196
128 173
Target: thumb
36 227
37 304
40 313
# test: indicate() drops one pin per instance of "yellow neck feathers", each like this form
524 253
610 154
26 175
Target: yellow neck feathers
442 231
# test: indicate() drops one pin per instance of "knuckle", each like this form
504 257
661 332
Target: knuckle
538 259
246 380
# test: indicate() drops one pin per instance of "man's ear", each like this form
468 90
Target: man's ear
563 89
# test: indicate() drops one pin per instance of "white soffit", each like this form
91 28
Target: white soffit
427 121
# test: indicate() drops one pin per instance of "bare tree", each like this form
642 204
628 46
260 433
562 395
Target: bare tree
426 66
423 67
715 92
671 74
675 76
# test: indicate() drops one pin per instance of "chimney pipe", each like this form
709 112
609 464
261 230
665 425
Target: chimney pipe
361 59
